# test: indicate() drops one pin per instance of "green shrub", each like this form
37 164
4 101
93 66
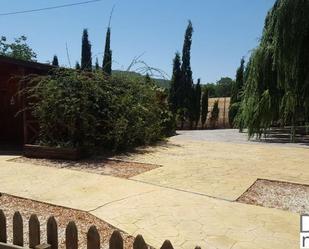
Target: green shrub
84 109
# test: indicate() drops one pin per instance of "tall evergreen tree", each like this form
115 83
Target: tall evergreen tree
182 92
198 92
239 82
97 66
77 65
186 90
147 78
204 107
190 113
214 116
55 62
237 88
174 97
86 60
107 59
186 71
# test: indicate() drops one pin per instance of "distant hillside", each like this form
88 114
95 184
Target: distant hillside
159 82
163 83
126 73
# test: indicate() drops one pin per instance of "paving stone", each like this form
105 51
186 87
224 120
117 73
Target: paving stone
189 200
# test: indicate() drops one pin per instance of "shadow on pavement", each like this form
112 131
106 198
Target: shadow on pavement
283 136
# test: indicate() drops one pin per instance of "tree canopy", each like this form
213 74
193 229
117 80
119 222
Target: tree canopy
277 75
222 88
97 66
19 49
183 94
187 80
204 107
197 101
86 60
175 84
237 88
55 61
107 59
90 109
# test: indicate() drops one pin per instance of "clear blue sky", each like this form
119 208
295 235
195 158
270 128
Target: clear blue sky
225 30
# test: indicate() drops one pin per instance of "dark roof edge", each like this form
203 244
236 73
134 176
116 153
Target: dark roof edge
28 64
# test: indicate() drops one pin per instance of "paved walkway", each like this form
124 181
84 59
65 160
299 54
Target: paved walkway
221 169
189 200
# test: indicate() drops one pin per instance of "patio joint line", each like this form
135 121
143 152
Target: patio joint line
182 190
121 199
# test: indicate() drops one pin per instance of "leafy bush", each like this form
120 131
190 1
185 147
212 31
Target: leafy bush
84 109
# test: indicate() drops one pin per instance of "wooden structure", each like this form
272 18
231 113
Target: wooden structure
223 119
16 128
39 151
71 236
224 106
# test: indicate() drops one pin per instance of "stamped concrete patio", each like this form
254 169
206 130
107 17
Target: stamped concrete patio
210 163
190 200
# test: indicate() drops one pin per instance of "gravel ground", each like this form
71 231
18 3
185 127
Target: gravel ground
282 195
63 216
101 166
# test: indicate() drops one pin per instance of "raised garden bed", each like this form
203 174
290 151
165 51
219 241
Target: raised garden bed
38 151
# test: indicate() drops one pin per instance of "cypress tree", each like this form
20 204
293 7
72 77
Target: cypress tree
86 60
97 66
191 107
186 71
147 78
237 88
239 82
55 62
204 107
186 89
215 114
77 66
182 97
198 92
174 97
107 59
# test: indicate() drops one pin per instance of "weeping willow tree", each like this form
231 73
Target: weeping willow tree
277 75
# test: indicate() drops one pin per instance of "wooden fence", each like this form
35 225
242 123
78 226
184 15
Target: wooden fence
71 235
223 119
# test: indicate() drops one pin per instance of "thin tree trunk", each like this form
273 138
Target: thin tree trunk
293 130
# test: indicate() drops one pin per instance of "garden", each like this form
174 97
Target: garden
78 109
122 153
